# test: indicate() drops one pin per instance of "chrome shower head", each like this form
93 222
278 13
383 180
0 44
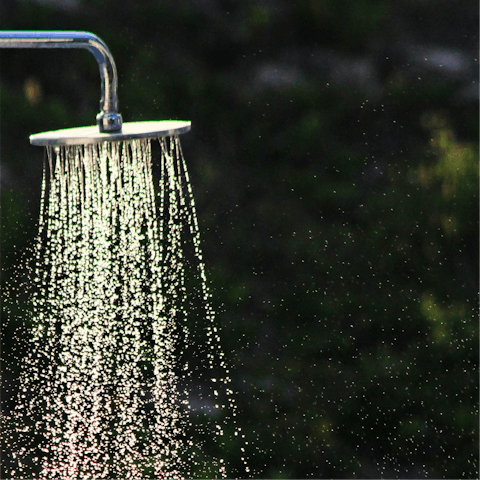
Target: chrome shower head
110 126
91 135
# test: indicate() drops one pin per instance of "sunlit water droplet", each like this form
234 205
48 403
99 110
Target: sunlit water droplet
124 372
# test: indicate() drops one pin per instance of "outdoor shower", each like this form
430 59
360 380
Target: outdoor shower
109 120
106 390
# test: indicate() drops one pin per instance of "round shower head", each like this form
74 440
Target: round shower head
91 135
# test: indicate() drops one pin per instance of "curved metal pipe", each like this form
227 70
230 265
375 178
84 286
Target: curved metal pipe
108 120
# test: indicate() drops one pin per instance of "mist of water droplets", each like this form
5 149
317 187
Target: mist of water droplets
115 370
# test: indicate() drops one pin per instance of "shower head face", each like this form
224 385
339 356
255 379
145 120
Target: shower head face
91 135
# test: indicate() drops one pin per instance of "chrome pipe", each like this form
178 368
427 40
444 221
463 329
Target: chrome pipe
108 120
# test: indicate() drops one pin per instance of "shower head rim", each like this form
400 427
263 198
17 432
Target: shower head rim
130 131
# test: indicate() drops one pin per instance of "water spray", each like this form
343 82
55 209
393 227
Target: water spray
110 126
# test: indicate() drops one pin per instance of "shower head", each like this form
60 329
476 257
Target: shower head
110 126
91 135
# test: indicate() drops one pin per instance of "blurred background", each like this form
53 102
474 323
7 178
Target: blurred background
334 162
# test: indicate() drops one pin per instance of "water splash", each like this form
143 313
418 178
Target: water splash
124 361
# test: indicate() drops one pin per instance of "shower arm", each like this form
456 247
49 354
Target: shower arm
108 120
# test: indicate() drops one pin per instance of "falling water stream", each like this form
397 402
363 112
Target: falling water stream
124 356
